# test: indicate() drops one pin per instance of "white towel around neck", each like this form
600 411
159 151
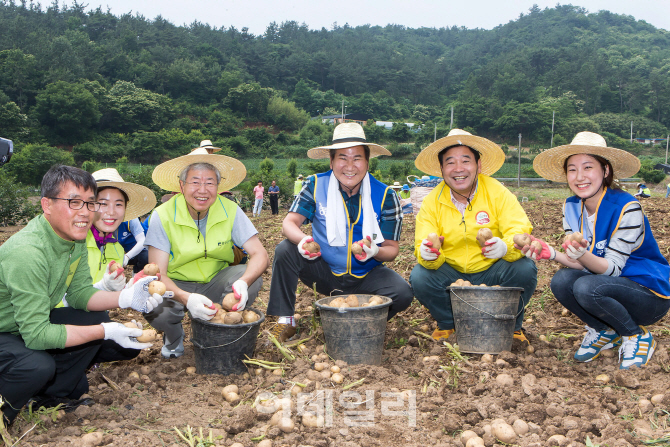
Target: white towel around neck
336 216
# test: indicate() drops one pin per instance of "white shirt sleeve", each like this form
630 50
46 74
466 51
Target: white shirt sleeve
136 229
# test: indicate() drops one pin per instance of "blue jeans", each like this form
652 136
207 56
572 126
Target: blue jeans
605 302
430 286
258 204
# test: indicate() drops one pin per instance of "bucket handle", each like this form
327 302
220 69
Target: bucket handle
197 345
497 317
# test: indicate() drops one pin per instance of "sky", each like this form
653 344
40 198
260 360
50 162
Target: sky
257 14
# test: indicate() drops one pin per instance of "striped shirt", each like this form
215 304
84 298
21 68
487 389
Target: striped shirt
391 218
628 237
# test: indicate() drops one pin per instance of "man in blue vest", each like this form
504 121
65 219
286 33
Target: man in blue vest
344 205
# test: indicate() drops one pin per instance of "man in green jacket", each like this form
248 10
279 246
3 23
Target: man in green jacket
191 239
45 351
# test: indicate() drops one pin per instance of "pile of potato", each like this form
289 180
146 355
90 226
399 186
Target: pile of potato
463 283
225 314
353 301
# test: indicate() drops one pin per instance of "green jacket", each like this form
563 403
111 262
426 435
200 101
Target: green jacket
37 268
113 252
195 258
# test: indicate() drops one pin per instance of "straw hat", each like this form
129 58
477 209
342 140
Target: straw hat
549 164
396 185
141 199
491 156
299 176
166 175
207 144
347 135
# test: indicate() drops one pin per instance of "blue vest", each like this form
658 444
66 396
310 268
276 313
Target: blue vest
646 265
340 259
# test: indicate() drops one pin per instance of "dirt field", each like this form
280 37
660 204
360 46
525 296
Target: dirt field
412 399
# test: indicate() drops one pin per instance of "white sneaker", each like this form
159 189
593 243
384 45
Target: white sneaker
637 349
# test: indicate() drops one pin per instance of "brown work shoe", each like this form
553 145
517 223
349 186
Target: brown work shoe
519 335
282 332
442 334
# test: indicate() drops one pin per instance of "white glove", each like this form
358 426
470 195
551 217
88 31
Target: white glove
427 252
494 248
111 281
574 253
138 296
241 291
126 260
124 336
368 253
304 253
200 307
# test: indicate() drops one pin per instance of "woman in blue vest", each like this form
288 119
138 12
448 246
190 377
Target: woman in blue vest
617 279
121 202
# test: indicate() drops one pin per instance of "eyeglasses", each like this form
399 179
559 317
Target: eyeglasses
77 204
197 185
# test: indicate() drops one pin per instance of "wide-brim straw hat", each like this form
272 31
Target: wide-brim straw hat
141 199
396 185
166 175
490 154
549 164
347 135
207 144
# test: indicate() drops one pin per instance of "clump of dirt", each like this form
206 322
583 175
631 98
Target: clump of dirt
424 392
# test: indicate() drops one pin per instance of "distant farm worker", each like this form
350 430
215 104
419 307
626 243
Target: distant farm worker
45 351
642 191
297 186
466 201
667 191
617 279
404 192
345 204
258 202
191 238
273 192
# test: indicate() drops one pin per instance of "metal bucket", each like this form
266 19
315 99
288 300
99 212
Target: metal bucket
220 349
484 317
354 334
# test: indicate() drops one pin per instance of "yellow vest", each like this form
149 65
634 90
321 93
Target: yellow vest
493 206
297 187
113 252
196 260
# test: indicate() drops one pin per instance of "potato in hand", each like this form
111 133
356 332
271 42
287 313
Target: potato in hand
483 235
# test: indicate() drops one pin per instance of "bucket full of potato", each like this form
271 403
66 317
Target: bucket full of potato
354 327
221 343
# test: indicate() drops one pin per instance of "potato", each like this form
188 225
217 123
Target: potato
148 336
217 306
337 378
458 283
325 374
249 316
229 301
312 420
320 366
312 247
467 435
134 375
334 369
285 424
151 269
574 237
487 358
190 370
475 442
352 301
530 349
504 433
356 246
314 375
375 300
132 325
264 443
113 265
483 235
522 239
537 246
157 287
230 393
232 318
337 302
434 239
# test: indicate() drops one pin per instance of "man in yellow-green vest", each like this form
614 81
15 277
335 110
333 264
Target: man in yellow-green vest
297 186
191 238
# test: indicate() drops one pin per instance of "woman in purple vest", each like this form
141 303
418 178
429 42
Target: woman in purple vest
617 281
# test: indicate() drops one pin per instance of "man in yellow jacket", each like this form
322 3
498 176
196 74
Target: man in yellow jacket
466 201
